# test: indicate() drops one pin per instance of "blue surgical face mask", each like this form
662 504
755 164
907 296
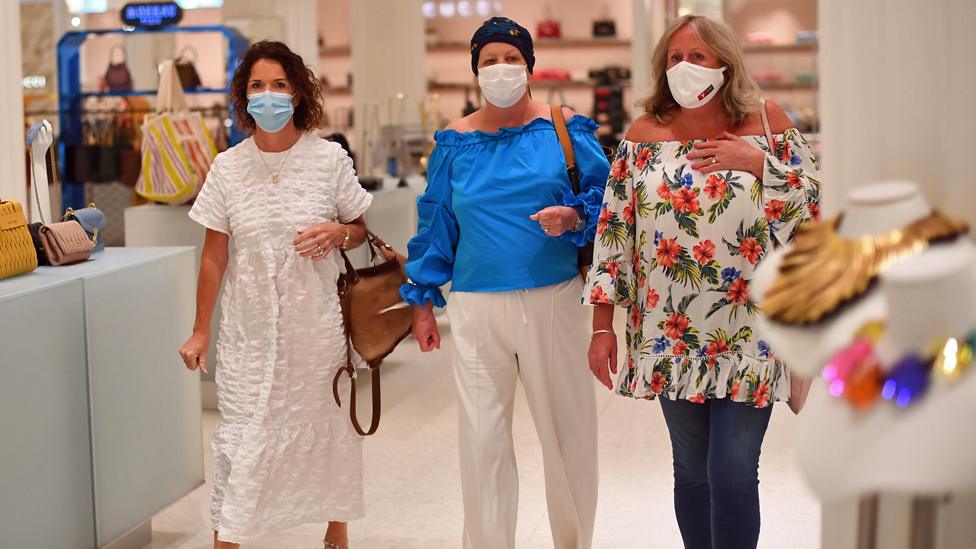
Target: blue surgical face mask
271 110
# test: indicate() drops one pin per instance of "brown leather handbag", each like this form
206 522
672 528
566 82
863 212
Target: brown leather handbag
65 243
375 318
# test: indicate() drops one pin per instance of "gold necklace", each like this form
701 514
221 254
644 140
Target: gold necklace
824 270
274 176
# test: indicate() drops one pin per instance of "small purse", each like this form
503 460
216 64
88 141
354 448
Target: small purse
549 27
605 26
375 319
186 69
65 243
117 76
16 250
92 220
35 233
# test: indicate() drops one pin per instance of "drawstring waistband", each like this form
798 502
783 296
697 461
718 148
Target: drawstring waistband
519 294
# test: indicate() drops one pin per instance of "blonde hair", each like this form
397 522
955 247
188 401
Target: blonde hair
739 95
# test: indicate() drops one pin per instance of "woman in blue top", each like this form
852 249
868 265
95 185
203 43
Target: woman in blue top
500 221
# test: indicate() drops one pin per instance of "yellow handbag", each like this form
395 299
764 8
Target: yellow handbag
17 255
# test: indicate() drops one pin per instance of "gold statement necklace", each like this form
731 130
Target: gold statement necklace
825 271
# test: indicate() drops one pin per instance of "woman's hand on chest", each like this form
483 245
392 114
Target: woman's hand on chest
727 152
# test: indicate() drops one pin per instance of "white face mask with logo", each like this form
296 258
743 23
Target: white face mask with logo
503 85
693 85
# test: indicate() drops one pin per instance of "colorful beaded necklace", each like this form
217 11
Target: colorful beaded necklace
856 374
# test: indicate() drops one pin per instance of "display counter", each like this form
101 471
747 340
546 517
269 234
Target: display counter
100 420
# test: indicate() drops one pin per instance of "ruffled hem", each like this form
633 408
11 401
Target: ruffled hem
592 213
420 295
577 124
285 476
739 376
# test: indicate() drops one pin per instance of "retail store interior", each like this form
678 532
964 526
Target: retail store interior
107 436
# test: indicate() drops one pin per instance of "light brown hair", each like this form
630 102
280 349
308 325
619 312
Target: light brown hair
739 95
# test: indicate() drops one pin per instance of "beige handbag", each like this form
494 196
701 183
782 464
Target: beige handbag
65 243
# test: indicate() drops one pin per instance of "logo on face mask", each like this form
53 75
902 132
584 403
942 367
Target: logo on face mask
705 93
687 80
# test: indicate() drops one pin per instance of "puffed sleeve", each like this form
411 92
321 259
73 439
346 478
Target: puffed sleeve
790 185
210 207
594 167
612 279
352 200
430 262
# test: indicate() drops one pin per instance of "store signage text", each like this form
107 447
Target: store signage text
152 15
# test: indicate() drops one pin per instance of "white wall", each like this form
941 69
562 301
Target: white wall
897 97
12 184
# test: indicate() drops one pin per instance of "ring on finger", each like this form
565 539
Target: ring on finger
320 253
714 161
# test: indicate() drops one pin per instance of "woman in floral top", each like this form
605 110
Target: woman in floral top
696 198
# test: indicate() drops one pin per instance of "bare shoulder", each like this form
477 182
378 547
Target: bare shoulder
646 129
778 121
463 125
568 113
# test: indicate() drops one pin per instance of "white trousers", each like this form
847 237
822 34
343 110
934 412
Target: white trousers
539 336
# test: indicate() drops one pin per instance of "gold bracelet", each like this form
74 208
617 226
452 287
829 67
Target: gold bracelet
345 241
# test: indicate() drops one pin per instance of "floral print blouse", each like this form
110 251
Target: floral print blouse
678 249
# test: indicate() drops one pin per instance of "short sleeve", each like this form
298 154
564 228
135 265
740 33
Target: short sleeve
352 200
210 207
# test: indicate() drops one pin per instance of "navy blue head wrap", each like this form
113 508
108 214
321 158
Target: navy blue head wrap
502 29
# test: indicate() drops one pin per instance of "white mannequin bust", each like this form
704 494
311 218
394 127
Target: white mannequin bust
929 446
871 210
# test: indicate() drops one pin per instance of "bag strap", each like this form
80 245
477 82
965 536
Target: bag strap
562 132
170 95
190 49
111 54
349 369
765 122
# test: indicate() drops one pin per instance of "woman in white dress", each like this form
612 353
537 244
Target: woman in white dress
284 454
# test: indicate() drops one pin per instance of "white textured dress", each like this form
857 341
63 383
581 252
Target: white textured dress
284 453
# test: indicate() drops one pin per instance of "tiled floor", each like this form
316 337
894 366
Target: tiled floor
413 492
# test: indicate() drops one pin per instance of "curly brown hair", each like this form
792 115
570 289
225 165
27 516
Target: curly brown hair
308 113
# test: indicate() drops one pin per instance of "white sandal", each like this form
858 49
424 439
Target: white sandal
326 544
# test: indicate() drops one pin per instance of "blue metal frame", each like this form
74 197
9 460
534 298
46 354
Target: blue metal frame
70 96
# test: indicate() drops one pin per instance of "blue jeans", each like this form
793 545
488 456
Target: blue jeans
716 449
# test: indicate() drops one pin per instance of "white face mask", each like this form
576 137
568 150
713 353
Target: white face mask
503 85
693 85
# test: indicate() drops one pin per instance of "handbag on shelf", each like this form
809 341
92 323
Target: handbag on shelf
117 76
92 220
585 254
16 249
605 26
65 243
375 319
549 27
187 70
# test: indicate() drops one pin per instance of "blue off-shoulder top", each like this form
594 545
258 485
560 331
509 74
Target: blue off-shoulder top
473 219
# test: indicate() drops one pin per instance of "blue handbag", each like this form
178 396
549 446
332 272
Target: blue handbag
93 221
